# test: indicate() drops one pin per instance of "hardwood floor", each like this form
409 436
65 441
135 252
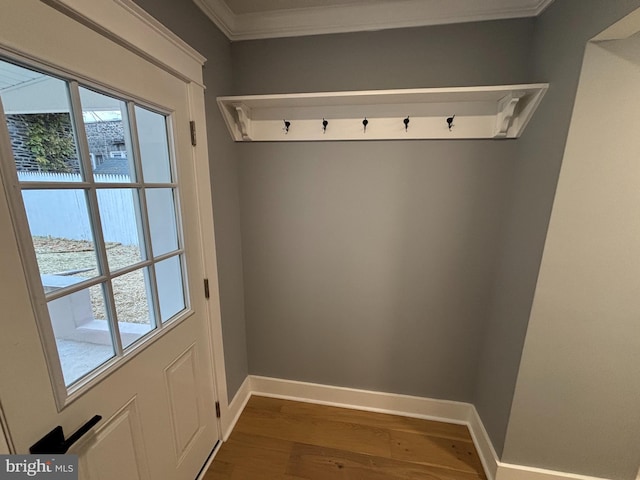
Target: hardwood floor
281 439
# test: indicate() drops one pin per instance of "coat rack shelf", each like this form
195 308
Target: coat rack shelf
427 113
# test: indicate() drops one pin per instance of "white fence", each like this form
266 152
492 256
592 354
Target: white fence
63 213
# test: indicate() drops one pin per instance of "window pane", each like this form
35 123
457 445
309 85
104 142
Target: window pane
170 289
133 305
38 115
154 148
43 131
61 233
107 127
121 226
82 337
162 220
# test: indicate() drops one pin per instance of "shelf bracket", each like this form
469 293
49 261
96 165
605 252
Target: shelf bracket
244 121
506 109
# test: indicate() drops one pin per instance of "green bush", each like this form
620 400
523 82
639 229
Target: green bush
51 142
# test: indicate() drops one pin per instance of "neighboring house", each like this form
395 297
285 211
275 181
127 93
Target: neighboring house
113 166
105 138
19 126
106 141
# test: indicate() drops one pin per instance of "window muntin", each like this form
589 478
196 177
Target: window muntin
94 229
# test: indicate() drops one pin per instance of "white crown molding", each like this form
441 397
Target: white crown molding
356 18
542 6
126 23
220 14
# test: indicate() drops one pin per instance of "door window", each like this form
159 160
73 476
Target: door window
99 192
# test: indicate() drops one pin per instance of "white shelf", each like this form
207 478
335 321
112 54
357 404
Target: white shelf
480 112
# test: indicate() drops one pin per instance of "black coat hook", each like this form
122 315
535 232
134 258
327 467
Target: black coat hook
365 122
450 121
324 125
287 124
406 124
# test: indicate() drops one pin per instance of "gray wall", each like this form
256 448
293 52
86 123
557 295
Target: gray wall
188 22
366 263
583 339
486 53
559 40
399 266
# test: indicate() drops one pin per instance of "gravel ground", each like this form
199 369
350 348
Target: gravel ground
77 258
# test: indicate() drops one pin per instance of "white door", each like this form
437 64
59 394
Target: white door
102 259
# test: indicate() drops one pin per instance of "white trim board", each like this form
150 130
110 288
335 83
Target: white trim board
396 404
406 405
232 412
507 471
124 22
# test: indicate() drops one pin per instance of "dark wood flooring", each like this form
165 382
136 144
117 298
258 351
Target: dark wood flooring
281 439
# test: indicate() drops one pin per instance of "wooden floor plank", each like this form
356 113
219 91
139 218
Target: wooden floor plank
258 441
322 432
315 463
267 403
219 470
423 449
287 440
252 457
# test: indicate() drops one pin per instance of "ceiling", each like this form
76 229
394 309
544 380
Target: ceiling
254 19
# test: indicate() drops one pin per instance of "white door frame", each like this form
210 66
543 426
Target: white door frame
125 23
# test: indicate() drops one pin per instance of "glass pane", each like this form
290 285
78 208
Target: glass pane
61 233
38 115
107 127
170 289
121 226
154 147
133 305
82 337
162 220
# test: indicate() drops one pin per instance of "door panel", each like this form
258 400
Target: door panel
182 384
158 401
120 437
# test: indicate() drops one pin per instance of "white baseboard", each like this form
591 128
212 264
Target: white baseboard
507 471
396 404
406 405
235 408
486 451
